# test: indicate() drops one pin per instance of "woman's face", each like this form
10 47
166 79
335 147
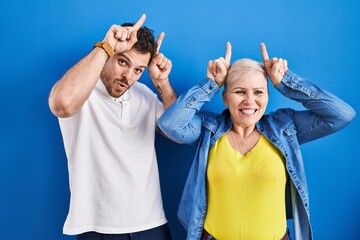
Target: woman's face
247 99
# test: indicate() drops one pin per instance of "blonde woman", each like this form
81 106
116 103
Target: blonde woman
248 177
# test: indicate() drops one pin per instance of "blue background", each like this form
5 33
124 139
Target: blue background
40 40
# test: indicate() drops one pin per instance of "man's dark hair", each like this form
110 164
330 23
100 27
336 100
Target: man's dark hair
145 40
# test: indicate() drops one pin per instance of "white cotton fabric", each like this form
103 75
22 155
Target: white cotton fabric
113 172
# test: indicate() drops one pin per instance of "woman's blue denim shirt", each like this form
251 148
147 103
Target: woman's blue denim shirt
287 129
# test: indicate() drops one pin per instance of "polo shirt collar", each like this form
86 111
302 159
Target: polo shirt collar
100 87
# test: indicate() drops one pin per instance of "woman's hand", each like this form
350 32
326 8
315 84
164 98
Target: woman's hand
275 68
217 69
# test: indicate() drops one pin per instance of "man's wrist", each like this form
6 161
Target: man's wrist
159 85
106 47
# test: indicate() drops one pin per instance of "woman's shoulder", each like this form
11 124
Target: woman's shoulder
213 121
281 116
214 116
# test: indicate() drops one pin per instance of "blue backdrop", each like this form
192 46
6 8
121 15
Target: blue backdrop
40 40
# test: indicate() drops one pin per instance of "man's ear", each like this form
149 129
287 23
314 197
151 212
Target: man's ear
225 98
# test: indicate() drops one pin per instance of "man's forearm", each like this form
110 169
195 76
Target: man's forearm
73 89
166 92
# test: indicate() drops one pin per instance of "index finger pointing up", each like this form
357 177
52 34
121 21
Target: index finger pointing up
140 22
228 52
264 53
159 41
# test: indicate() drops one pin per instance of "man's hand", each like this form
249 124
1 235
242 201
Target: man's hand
121 38
159 70
217 69
160 66
275 68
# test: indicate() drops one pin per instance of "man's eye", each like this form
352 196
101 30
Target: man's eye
138 70
122 62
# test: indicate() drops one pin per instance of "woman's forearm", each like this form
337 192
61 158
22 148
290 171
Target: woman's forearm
182 121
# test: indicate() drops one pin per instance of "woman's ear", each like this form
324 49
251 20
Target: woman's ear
224 98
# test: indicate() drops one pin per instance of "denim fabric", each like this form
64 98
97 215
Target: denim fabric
208 238
287 129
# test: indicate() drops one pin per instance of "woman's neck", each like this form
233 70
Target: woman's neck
244 132
243 139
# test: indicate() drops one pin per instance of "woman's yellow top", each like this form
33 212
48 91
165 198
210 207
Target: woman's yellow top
246 194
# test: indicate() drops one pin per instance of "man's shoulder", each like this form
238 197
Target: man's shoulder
141 89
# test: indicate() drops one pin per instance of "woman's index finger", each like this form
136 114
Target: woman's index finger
264 53
228 52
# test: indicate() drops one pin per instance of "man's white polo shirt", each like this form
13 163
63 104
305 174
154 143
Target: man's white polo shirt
113 172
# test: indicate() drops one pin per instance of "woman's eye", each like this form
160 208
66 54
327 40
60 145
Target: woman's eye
258 92
240 92
122 62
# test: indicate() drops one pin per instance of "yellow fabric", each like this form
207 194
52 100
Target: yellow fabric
246 194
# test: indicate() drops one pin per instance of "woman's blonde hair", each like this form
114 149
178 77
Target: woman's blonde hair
241 68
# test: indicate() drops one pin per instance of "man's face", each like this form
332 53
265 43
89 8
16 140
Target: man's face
123 70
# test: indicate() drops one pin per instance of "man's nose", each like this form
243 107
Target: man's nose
127 74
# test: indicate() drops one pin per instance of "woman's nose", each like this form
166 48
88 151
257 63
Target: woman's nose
249 98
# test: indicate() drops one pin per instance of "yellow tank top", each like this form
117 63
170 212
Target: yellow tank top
246 194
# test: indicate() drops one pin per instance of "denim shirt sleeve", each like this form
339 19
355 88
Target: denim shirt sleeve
325 112
182 121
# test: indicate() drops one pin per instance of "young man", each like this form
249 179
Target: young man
107 120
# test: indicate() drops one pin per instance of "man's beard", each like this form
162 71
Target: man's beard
111 85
